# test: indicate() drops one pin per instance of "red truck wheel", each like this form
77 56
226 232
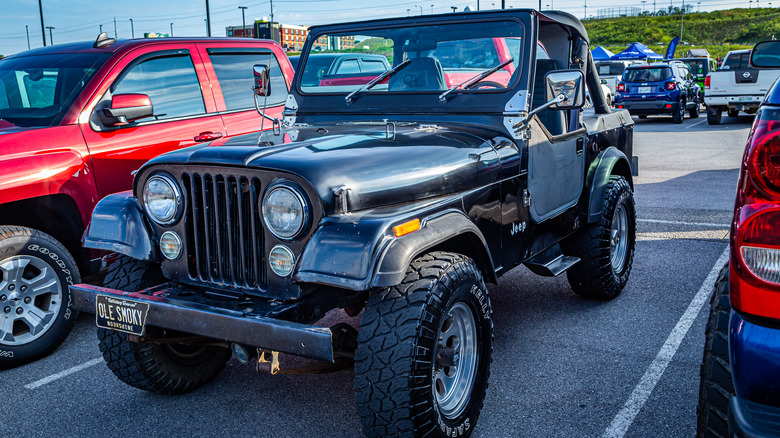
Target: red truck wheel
35 302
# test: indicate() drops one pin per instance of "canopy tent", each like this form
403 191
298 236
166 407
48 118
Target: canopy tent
602 54
637 51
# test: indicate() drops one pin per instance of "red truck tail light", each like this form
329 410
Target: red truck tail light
763 159
671 86
621 87
707 81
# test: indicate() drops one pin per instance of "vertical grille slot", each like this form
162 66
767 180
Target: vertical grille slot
224 232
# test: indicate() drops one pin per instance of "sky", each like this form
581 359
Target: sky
80 20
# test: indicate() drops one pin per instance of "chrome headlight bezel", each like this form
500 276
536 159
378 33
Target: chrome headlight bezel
305 210
176 199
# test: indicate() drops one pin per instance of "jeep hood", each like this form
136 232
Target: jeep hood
380 165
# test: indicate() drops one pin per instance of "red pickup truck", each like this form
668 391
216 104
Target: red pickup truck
76 121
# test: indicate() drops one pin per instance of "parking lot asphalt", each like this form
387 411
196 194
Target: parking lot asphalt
562 365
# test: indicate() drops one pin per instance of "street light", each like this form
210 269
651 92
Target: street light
699 4
51 37
132 29
643 6
408 13
421 9
243 20
431 9
455 8
27 29
171 29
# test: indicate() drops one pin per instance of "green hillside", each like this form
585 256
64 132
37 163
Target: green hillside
718 31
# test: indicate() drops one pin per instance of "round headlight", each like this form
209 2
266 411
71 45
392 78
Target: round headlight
281 260
284 212
161 199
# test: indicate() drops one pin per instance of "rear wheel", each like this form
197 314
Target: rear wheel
713 115
694 111
679 114
716 386
424 351
155 365
35 303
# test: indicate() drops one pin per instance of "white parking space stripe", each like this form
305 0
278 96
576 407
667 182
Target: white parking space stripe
642 391
62 374
697 123
692 224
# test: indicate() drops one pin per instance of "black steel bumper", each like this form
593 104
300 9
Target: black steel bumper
230 321
753 420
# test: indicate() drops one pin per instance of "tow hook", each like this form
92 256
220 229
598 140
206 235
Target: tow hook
264 364
344 344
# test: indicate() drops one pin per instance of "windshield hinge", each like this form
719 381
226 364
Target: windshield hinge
526 198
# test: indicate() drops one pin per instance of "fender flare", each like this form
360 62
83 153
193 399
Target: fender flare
393 264
119 225
611 161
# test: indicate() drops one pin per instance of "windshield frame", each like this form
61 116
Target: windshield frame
424 100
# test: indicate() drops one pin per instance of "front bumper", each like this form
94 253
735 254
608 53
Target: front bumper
241 322
647 107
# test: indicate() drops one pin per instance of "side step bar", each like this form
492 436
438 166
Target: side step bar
552 262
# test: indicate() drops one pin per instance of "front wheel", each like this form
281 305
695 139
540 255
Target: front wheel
605 248
35 303
156 365
716 386
694 111
679 114
424 351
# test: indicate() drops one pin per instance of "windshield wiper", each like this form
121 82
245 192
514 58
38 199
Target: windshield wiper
377 80
473 81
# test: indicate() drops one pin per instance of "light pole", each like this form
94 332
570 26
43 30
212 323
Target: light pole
171 29
101 28
243 20
585 9
421 9
431 9
51 37
699 4
643 6
454 9
653 7
682 20
132 29
408 13
27 29
208 20
43 31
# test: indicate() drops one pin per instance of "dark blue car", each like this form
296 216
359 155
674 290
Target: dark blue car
660 88
740 372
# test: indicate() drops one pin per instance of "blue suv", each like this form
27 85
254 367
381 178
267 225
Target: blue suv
740 374
660 88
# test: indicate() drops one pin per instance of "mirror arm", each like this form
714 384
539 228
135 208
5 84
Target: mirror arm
524 119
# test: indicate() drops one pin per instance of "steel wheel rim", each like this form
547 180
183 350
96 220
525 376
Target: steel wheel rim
30 299
618 241
452 385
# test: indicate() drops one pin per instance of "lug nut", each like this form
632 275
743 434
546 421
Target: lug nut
11 287
23 288
19 310
7 309
3 298
27 300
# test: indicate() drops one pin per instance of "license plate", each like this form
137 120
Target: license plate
745 98
121 315
645 89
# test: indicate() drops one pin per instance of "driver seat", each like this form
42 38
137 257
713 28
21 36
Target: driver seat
422 74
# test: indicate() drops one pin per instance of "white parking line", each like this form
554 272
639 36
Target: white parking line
62 374
692 224
626 416
697 123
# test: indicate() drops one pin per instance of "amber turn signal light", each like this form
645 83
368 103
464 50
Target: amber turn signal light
406 228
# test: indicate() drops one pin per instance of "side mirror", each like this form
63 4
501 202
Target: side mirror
126 108
766 55
262 80
568 83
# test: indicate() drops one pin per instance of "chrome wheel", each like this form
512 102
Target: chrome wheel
618 243
456 361
30 299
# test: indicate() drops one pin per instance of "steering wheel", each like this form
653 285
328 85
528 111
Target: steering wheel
490 84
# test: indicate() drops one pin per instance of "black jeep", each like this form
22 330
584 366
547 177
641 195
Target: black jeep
399 197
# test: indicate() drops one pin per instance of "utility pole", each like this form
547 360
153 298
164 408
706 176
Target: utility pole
51 37
132 29
682 19
171 29
208 20
585 9
115 37
43 30
243 20
27 29
272 14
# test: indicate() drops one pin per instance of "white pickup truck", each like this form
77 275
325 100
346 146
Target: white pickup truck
736 87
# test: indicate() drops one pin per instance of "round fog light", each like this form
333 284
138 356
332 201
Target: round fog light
281 260
170 245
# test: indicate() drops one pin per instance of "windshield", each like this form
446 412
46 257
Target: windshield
610 68
442 56
38 90
697 66
653 74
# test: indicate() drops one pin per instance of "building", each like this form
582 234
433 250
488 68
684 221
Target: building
334 43
290 36
241 32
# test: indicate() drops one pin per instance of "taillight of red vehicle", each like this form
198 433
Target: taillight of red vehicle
707 81
671 86
621 87
755 233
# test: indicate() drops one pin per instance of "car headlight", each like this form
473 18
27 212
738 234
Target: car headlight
285 211
162 199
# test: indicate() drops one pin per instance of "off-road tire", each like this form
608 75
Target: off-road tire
395 362
594 275
679 114
714 114
716 386
733 113
43 249
154 367
694 111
